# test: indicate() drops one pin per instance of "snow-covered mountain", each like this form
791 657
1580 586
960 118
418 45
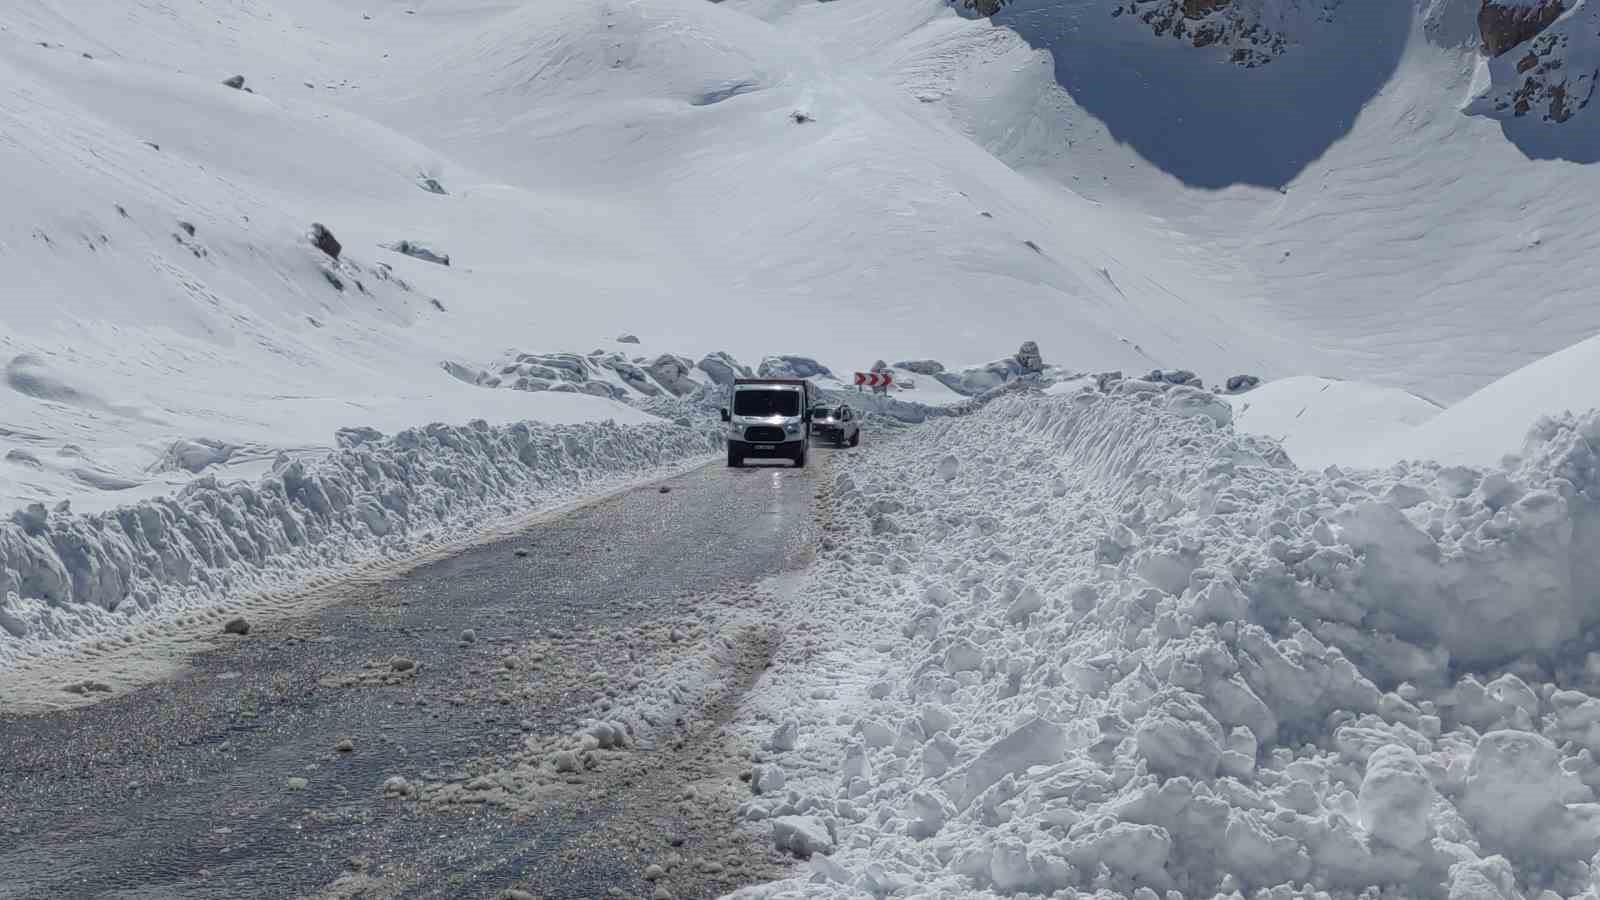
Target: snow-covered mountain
283 281
1344 190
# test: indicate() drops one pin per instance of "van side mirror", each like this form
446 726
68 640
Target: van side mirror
725 416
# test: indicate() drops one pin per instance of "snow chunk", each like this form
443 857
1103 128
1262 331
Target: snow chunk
1179 737
1395 797
787 736
1036 743
963 656
802 835
1515 795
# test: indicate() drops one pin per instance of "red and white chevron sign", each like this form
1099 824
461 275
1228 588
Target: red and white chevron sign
874 379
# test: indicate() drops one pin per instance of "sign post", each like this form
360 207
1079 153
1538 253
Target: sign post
878 381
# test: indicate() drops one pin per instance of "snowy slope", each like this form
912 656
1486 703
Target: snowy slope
1322 422
1491 424
852 180
1340 201
124 332
119 132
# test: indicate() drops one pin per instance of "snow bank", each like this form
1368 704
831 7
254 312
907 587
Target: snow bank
1101 643
69 578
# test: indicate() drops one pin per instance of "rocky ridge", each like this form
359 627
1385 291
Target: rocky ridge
1544 60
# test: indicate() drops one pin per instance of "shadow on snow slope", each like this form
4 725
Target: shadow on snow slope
1575 141
1198 117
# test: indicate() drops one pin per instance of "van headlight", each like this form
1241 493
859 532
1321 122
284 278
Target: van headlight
792 428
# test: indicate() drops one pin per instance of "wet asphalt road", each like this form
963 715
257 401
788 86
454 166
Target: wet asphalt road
182 789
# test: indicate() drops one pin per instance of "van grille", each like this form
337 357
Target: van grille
763 434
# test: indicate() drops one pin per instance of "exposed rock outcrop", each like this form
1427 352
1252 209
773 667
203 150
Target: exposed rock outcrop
1543 63
1505 25
722 368
1211 23
323 240
1175 376
1029 358
1238 384
419 251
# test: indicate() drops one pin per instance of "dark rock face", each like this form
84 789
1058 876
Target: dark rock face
236 82
1210 23
1199 9
1029 357
324 240
1504 27
1236 30
419 251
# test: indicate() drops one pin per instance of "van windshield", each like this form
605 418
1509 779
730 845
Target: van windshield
758 402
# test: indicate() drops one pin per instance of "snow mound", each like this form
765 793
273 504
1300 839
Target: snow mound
1323 422
1121 650
634 53
1489 425
65 578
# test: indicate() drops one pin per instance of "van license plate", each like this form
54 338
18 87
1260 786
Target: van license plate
766 446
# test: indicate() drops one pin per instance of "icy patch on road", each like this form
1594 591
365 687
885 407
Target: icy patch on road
1105 645
67 579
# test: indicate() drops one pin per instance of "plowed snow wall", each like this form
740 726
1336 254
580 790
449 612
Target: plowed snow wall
1408 569
69 577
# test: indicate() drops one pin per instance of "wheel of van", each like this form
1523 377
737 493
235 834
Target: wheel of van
735 458
855 439
800 459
